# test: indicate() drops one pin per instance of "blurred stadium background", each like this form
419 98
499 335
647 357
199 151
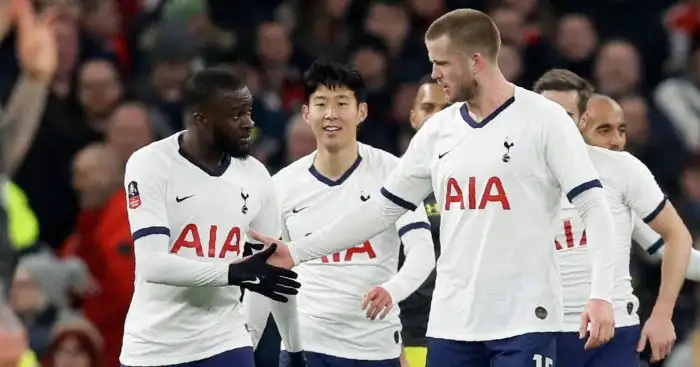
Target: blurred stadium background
116 82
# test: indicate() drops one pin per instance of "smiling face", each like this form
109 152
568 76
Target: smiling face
334 114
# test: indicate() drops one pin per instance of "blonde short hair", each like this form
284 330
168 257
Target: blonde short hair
468 28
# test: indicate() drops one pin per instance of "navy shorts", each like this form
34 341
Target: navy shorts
324 360
527 350
239 357
621 351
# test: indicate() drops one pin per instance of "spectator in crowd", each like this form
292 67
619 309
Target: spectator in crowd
172 53
576 44
129 129
100 91
102 240
511 63
74 343
678 99
618 69
13 340
40 294
36 51
300 138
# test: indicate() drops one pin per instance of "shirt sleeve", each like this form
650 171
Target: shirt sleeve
414 231
145 181
567 155
268 220
355 226
654 245
646 237
642 193
410 182
285 314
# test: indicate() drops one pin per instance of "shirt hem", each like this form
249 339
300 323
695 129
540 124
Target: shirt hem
161 360
481 337
355 356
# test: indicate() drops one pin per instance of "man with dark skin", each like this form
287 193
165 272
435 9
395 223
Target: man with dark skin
184 194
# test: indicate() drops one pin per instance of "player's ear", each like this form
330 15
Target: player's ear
412 118
361 112
197 119
583 121
475 62
305 114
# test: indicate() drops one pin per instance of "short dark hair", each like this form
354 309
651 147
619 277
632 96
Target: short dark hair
333 75
468 28
205 86
563 80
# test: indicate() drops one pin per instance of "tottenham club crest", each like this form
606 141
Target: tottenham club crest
244 196
506 155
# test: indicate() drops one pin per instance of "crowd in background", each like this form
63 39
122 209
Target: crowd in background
113 86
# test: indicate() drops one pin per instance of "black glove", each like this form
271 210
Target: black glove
292 359
255 274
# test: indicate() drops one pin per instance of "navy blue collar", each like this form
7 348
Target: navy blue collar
464 110
323 179
216 172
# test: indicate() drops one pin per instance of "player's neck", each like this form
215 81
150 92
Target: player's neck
209 158
333 164
495 91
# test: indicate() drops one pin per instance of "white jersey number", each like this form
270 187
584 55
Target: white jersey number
541 361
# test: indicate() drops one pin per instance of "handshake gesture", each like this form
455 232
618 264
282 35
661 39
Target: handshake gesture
281 256
257 275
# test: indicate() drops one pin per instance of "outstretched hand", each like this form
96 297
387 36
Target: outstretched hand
281 257
255 274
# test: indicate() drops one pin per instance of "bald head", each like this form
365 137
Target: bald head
603 124
96 174
95 154
129 130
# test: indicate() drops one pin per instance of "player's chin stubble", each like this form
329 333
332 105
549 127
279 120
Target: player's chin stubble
239 151
466 92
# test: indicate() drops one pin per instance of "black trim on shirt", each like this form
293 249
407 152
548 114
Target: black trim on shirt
218 171
656 246
464 111
656 211
576 191
411 226
397 200
143 232
325 180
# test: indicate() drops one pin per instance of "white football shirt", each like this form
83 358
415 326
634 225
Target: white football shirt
498 184
185 312
329 302
630 189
